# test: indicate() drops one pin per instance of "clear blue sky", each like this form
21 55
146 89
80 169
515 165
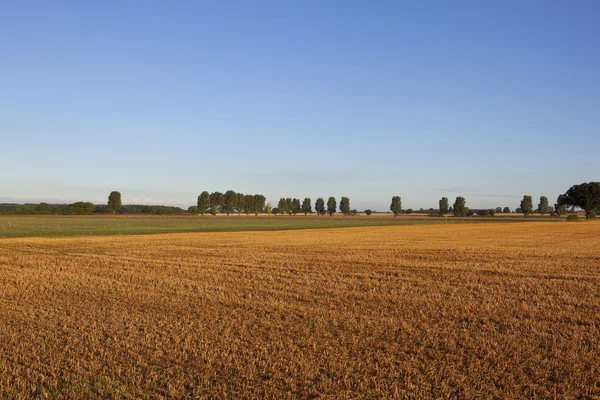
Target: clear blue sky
161 100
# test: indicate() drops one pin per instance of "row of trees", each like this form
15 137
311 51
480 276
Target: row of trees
581 196
526 206
77 208
232 202
459 209
114 205
585 196
293 206
229 203
86 208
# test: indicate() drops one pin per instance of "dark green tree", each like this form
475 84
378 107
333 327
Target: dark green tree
114 202
295 206
543 206
289 204
229 201
460 208
282 206
443 206
80 208
560 207
240 200
585 196
396 205
331 206
306 207
368 211
203 202
506 210
345 205
193 210
248 204
215 202
526 205
259 203
320 206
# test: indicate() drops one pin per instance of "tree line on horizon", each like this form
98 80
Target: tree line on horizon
292 206
86 208
585 196
228 203
113 206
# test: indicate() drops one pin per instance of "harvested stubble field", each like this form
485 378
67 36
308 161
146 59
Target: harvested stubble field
424 311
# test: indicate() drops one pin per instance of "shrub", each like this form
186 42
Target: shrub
573 218
368 212
592 216
80 208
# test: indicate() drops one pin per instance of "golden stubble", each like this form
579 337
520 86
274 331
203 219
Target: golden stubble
436 311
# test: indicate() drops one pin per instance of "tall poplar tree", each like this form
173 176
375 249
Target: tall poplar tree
396 205
114 202
331 206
